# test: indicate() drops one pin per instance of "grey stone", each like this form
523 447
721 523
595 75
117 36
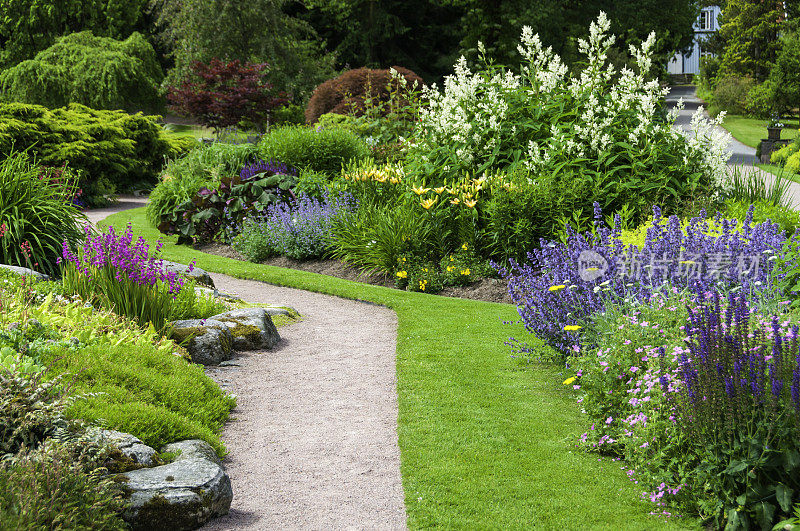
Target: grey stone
129 445
25 272
251 328
200 290
281 310
208 341
184 494
196 274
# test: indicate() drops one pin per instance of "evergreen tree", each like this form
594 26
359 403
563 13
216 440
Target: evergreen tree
748 37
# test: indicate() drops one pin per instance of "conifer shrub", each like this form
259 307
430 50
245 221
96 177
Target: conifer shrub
99 72
347 93
108 149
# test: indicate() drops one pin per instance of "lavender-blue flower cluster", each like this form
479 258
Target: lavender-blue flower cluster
554 290
131 261
271 167
299 228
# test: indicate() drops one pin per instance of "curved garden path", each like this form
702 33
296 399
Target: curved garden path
313 439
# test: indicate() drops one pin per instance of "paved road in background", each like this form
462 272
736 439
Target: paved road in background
741 155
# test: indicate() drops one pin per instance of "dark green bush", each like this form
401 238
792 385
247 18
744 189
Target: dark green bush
109 147
731 94
99 72
36 214
323 150
158 398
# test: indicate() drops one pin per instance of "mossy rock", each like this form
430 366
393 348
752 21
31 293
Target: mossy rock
250 328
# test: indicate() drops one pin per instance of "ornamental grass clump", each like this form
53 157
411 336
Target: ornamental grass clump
300 228
596 268
112 271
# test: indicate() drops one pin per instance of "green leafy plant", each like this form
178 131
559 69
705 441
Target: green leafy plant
323 150
36 214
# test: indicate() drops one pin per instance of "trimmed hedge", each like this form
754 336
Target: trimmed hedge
109 149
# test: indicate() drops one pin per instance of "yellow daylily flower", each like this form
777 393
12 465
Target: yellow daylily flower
428 203
420 191
470 203
439 190
455 201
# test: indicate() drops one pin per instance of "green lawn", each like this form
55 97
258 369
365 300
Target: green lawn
750 131
485 443
779 170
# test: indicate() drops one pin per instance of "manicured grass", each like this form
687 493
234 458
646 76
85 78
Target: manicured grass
485 442
779 170
750 131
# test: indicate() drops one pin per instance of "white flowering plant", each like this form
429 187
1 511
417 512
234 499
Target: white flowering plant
606 123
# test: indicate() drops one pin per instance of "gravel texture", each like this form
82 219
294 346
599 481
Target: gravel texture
313 439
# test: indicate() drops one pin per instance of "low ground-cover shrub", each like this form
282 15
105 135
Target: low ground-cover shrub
36 213
299 228
205 166
106 148
323 150
98 72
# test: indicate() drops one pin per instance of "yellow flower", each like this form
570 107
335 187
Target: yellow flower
470 203
452 258
402 274
569 380
420 191
439 190
422 284
464 246
452 191
455 201
556 288
450 269
428 203
572 328
425 269
465 272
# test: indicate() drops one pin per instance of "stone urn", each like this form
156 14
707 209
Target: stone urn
774 133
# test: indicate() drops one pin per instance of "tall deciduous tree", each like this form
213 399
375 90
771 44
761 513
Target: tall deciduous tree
748 37
244 30
29 26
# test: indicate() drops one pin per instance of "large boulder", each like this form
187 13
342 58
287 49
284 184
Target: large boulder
184 494
207 341
130 446
25 272
200 276
250 328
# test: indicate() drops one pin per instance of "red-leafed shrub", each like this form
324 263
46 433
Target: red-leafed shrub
220 94
346 94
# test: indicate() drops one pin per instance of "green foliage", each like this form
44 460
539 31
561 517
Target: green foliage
312 183
256 31
786 217
36 214
183 177
322 150
291 114
110 146
30 26
375 236
98 72
59 487
156 397
731 93
749 35
31 409
784 77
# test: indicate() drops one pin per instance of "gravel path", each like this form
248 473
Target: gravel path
313 439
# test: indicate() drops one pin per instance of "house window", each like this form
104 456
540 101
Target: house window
705 20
